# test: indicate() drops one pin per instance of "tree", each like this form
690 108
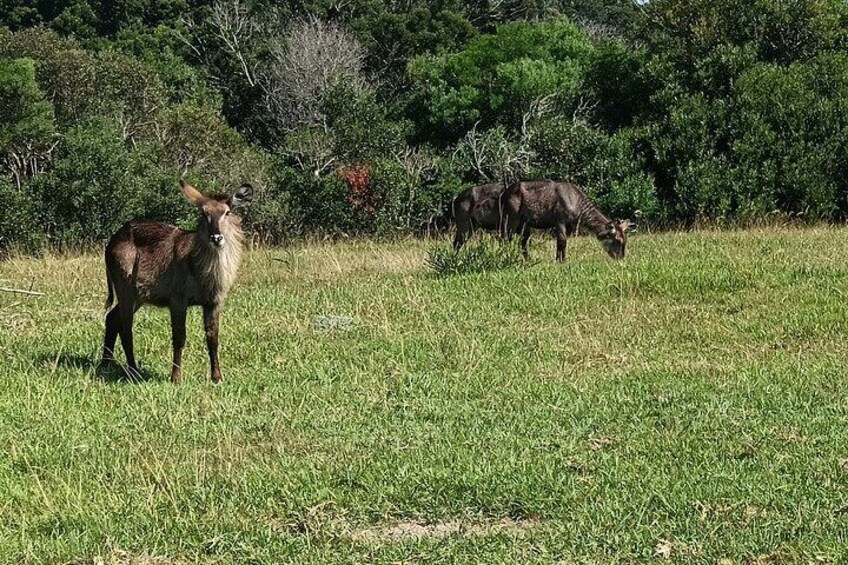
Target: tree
498 77
394 36
82 83
618 14
27 131
724 143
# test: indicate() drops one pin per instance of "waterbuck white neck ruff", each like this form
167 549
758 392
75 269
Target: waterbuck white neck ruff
219 265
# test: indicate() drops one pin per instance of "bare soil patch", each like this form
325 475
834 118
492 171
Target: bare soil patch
408 529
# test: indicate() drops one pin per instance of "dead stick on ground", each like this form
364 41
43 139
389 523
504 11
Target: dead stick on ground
19 291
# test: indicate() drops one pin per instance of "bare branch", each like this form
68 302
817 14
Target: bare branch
235 26
311 149
28 159
538 108
584 110
597 31
190 25
495 156
417 166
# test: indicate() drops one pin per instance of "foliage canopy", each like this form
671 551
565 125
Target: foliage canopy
684 110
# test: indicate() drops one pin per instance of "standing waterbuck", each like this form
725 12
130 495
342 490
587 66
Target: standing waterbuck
478 207
160 264
563 208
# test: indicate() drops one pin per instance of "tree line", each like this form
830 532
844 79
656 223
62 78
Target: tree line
366 116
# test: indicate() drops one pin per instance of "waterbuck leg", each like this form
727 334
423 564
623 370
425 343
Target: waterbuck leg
178 339
561 234
509 227
127 313
525 237
462 231
113 326
505 230
211 316
458 240
561 249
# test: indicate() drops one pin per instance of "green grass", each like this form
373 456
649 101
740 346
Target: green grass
691 399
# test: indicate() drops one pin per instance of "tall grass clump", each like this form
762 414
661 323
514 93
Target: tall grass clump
479 257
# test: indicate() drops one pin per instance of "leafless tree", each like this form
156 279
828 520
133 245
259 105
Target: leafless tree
494 156
313 58
304 63
416 163
538 109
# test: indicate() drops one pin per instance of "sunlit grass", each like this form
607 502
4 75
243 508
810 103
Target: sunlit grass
689 400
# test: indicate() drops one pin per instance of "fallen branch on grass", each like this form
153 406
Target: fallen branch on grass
20 291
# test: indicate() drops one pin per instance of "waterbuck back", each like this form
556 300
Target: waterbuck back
477 208
162 265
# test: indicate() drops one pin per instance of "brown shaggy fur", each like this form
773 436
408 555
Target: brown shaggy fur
563 208
162 265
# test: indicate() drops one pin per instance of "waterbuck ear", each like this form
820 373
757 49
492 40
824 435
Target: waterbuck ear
242 197
192 194
627 225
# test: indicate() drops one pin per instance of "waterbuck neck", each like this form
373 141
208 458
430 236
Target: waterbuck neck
591 216
216 267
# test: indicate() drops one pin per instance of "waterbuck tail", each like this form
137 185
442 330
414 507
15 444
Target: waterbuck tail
110 289
448 210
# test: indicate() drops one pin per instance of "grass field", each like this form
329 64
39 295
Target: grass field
688 403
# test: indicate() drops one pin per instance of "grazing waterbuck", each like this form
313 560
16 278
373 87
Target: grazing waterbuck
162 265
563 208
478 207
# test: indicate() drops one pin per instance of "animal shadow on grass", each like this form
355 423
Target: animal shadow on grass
112 372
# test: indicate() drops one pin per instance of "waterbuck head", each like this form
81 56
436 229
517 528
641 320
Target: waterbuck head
215 222
614 237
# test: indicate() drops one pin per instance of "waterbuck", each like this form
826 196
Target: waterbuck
477 208
160 264
563 208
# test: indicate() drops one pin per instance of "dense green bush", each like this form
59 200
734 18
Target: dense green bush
788 134
319 203
26 116
97 183
19 225
498 76
608 167
685 110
